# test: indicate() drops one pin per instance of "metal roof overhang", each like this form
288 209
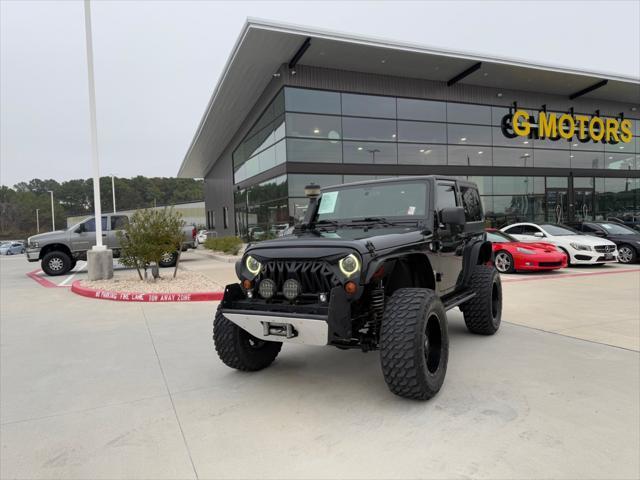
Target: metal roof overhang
264 46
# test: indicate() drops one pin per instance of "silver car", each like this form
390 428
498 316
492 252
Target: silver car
11 248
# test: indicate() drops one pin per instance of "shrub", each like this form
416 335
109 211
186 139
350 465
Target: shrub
230 245
148 236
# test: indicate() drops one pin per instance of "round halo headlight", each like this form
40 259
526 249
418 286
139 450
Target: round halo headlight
291 289
253 265
349 265
267 288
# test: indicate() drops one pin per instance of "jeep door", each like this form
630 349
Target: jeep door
449 256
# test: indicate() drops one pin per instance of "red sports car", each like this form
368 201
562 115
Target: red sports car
510 255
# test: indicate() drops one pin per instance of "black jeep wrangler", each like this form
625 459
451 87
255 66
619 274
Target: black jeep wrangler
375 266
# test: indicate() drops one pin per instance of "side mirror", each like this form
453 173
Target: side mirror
599 233
452 216
81 228
538 234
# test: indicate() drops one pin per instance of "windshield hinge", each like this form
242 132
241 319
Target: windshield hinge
371 247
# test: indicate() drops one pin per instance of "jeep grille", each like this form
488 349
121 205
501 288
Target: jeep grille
314 276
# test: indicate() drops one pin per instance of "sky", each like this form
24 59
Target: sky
157 63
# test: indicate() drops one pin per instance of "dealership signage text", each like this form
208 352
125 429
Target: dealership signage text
555 126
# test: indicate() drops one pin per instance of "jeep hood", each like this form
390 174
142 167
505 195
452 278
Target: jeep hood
317 244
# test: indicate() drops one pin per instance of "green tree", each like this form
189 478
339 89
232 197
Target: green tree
149 235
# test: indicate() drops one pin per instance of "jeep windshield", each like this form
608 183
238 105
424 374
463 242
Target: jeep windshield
384 203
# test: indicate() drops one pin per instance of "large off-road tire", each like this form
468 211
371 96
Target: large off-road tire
168 260
414 343
483 313
56 263
240 350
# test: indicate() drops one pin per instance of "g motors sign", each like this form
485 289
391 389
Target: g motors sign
554 126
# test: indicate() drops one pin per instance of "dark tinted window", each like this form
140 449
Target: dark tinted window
368 106
313 126
471 203
515 230
90 225
118 222
529 230
445 196
316 151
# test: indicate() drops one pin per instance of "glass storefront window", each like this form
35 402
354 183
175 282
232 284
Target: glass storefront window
468 134
517 185
499 140
586 159
619 161
422 154
312 101
485 184
461 155
422 132
369 152
557 182
560 144
298 181
369 129
466 113
512 157
368 105
409 109
551 158
621 147
314 151
313 126
297 209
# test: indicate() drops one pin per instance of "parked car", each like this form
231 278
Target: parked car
580 249
511 255
626 239
631 221
202 236
59 251
256 233
279 229
11 248
374 266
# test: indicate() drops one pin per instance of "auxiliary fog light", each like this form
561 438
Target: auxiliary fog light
249 294
267 288
323 297
291 289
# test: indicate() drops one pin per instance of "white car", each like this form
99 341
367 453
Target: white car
581 249
202 236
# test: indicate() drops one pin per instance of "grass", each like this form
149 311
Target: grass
230 245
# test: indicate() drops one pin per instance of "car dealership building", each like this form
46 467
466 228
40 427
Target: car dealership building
297 105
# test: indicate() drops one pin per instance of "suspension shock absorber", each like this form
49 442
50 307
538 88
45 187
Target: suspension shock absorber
377 302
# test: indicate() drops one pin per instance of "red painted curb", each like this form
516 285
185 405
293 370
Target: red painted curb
144 297
41 280
569 275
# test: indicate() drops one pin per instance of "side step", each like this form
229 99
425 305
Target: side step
458 299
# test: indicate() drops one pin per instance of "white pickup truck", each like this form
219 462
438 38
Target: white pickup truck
59 251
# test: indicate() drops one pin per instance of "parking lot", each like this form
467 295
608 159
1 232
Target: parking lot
100 389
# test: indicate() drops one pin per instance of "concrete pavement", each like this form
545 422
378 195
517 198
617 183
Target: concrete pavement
97 389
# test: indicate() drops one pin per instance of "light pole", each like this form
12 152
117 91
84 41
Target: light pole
113 192
37 220
53 213
99 258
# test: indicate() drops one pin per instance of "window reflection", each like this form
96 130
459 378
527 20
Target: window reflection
422 132
469 155
369 129
313 126
316 151
513 157
468 134
368 105
312 101
421 154
410 109
368 152
465 113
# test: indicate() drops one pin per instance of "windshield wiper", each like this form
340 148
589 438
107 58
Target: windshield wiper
381 221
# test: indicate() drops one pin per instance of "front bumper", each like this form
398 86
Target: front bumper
593 258
309 324
304 329
549 261
33 254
